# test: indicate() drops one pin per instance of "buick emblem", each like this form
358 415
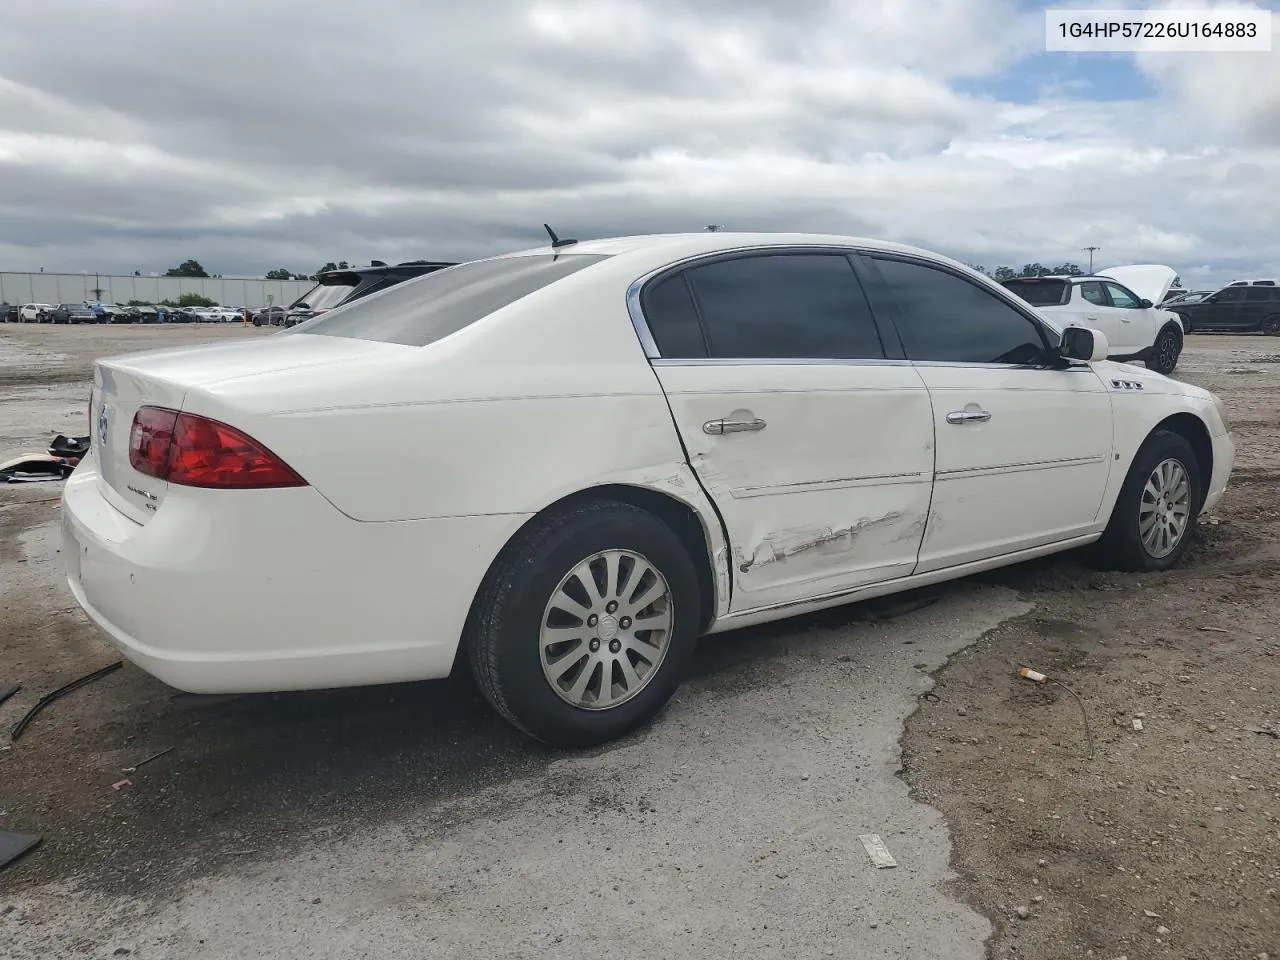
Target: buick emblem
102 426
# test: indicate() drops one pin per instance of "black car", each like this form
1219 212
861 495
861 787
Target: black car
1239 308
338 287
180 315
73 313
8 313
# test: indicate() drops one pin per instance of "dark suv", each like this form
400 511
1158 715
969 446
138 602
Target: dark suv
338 287
1239 308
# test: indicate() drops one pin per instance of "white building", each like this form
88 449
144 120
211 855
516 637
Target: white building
76 287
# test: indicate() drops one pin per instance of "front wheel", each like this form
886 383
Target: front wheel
1154 516
1165 352
1271 325
585 626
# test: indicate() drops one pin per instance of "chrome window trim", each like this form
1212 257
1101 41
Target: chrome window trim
654 355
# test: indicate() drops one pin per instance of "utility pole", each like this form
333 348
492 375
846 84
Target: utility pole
1091 249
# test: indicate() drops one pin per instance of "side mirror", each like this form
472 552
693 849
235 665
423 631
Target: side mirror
1083 343
1145 304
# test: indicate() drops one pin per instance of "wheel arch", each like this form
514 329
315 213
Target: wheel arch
690 524
1193 430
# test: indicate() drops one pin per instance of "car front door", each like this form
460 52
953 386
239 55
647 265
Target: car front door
815 445
1091 307
1024 449
1134 324
1218 312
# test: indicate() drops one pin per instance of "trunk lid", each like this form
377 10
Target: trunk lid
1151 281
163 378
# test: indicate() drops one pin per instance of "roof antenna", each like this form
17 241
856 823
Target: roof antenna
556 241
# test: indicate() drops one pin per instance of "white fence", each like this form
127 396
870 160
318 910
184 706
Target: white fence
74 287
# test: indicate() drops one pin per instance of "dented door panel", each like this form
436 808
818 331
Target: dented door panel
824 484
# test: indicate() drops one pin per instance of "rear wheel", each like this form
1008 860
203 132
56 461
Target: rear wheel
1165 352
585 626
1271 325
1154 516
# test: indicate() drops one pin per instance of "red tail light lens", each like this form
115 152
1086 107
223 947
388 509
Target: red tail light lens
195 451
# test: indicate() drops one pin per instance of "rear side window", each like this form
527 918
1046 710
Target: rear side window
784 307
1092 292
1258 293
673 320
431 307
1039 293
943 318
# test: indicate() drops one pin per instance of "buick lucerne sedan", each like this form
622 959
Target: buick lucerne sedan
564 465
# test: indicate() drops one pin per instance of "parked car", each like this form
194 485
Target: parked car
337 287
181 315
604 450
34 312
9 312
1239 308
269 316
144 313
73 313
1119 302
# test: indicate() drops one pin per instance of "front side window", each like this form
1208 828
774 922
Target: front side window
944 318
1092 291
433 306
1229 295
1120 297
784 306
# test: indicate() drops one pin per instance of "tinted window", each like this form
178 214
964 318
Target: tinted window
1040 293
944 318
326 296
785 306
1093 293
425 309
673 320
1120 297
1229 295
1258 293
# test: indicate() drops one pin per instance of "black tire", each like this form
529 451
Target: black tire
1271 325
1121 546
1166 350
504 636
1187 325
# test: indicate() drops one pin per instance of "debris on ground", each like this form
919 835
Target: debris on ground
62 691
119 784
144 762
62 457
14 843
877 851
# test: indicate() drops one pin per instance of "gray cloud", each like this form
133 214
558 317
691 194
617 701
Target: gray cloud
253 135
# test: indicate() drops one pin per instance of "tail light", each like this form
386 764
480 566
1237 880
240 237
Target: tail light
195 451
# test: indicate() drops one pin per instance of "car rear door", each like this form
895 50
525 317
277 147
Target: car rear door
814 443
1256 305
1023 450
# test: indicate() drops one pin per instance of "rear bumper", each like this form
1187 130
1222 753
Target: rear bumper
267 590
1224 460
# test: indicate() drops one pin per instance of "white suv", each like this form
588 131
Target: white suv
1121 303
33 312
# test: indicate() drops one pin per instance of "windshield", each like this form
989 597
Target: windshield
431 307
325 296
1038 292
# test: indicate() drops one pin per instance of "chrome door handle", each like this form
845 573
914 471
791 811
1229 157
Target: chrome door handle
722 426
968 416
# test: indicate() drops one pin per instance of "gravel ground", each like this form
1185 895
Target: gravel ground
407 821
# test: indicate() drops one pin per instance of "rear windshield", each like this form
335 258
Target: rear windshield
1039 293
428 308
325 296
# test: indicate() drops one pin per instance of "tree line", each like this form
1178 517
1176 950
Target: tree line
193 268
1030 270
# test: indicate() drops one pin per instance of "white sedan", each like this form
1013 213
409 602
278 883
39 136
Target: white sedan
568 463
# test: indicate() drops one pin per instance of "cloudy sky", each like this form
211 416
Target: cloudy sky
251 134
